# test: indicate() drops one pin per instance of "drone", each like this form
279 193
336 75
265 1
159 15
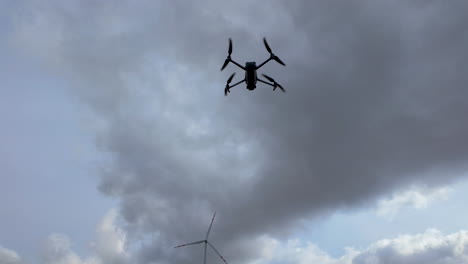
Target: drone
250 69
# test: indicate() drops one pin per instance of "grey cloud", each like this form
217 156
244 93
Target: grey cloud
375 101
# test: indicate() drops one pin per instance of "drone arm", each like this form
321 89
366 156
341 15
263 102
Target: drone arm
274 84
237 83
260 80
258 67
227 89
238 65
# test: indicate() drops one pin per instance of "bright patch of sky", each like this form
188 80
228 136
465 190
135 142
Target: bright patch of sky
48 160
421 210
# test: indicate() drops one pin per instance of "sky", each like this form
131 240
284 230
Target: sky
119 144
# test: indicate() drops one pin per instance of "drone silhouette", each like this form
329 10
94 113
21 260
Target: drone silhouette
250 69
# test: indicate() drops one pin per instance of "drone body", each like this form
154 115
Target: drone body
251 74
250 69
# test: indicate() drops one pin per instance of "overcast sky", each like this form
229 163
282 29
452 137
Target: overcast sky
118 143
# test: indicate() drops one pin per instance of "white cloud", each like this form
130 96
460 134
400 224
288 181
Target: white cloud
293 251
57 250
109 246
110 241
416 197
429 247
8 256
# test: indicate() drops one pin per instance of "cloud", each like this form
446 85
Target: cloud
57 251
8 256
430 247
109 246
295 252
375 102
416 197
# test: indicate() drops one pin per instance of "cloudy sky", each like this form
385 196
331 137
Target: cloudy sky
118 143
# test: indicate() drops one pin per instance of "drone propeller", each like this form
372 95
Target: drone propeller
225 64
275 84
266 45
273 56
229 55
278 60
230 78
281 87
269 78
226 90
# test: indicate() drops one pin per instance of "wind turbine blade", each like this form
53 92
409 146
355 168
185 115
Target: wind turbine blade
193 243
212 219
216 252
204 257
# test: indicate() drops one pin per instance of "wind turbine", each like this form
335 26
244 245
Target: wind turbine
206 243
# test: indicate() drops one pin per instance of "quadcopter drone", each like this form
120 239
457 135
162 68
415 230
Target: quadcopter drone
250 69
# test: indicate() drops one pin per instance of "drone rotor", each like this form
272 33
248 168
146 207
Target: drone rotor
225 64
275 84
229 55
269 78
278 60
226 90
273 56
266 45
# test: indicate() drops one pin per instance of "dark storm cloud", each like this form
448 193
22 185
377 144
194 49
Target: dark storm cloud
379 112
375 101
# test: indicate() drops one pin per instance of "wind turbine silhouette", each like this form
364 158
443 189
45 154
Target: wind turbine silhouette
206 243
